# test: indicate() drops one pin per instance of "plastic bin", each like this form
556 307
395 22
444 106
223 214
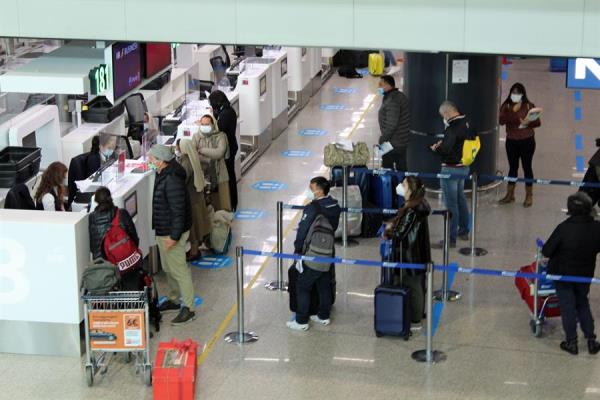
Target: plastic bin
101 111
18 164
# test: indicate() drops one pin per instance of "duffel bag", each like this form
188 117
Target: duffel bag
335 156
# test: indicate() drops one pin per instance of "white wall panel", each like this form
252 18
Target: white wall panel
98 19
524 27
295 22
9 21
591 29
195 21
410 24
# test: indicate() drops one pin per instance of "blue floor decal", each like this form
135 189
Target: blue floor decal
504 75
578 142
197 300
580 164
248 213
332 107
578 115
438 307
312 132
577 95
269 186
296 153
349 90
212 262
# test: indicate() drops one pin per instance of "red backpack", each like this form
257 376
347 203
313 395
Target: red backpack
119 249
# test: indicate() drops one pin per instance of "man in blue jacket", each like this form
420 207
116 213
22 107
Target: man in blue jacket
309 277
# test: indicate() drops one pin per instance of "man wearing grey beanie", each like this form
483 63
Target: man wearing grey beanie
171 219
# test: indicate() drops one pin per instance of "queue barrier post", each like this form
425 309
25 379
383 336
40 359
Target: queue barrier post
240 336
472 250
445 294
428 355
280 284
346 242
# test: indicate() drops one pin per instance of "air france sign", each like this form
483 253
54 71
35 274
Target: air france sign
583 73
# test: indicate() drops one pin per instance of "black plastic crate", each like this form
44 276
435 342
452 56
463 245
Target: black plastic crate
18 164
101 111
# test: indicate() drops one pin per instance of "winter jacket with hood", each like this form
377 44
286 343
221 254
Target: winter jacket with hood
213 149
171 209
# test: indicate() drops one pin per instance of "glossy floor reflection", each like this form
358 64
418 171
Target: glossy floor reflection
486 337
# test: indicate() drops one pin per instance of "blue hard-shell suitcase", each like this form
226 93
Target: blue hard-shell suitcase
382 190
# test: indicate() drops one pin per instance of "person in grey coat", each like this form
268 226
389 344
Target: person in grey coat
394 123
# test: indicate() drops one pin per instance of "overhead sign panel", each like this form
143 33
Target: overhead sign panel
583 73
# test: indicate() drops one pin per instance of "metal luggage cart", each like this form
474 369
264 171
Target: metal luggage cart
549 296
117 323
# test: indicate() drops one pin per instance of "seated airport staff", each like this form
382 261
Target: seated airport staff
213 148
409 232
172 219
51 192
100 221
572 249
188 158
227 121
323 204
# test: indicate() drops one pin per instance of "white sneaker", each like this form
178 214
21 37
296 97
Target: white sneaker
296 326
416 327
315 318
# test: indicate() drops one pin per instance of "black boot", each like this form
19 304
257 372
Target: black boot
570 347
593 346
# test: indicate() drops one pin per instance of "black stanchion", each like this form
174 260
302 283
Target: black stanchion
472 250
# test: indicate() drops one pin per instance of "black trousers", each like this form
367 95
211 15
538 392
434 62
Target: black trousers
230 163
395 159
575 306
520 150
306 280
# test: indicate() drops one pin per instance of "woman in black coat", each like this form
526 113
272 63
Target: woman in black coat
227 122
409 232
572 249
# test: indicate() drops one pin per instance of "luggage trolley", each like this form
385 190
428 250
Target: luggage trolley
117 323
539 294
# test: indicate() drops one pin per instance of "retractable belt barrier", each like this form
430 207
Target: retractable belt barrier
362 210
427 175
451 267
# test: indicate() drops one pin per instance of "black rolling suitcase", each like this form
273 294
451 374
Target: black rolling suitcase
392 311
314 293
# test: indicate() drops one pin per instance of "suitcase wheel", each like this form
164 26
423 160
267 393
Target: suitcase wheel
378 334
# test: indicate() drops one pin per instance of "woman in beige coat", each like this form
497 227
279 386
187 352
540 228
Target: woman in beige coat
201 225
213 149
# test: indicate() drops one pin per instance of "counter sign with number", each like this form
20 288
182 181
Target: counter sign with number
99 79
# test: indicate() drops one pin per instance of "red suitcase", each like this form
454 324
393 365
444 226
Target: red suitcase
523 286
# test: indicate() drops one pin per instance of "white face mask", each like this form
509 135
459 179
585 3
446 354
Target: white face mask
400 190
516 98
310 195
107 153
146 126
206 129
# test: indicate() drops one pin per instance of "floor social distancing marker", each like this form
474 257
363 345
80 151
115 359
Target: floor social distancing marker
269 186
249 213
312 132
197 300
332 107
346 90
212 262
296 153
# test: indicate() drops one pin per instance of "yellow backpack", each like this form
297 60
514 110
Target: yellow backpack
471 148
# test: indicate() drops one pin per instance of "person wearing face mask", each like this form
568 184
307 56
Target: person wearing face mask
321 203
227 122
450 150
394 123
172 220
409 233
520 140
188 158
52 189
213 148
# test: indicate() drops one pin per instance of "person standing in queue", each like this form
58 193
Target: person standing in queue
52 190
394 123
450 149
213 148
188 158
572 250
227 121
592 175
409 232
172 220
322 203
520 140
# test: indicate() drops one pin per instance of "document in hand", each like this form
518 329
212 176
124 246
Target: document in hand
532 115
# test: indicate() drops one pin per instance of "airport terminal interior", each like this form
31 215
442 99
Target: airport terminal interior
291 103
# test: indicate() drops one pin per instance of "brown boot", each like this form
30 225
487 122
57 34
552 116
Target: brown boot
510 194
528 197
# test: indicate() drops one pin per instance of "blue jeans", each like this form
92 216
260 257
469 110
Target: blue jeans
453 192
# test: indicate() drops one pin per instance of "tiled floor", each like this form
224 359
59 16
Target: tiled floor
491 352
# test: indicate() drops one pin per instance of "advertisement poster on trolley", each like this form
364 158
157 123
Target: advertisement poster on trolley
116 330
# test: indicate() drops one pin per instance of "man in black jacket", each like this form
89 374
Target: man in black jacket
309 277
592 175
453 190
394 123
572 249
227 121
172 220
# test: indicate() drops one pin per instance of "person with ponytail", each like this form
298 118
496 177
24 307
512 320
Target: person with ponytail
409 232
